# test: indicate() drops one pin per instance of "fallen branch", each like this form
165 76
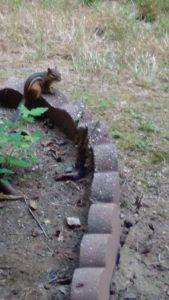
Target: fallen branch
4 197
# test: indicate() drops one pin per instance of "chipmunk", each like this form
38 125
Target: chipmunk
36 85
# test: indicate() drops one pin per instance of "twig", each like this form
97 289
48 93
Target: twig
36 219
66 177
65 280
74 184
39 224
4 197
53 155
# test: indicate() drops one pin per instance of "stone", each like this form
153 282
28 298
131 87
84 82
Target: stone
73 222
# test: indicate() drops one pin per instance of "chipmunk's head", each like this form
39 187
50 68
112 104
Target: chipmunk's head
54 74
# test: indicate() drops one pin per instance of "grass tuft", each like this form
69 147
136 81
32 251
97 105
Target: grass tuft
147 10
148 126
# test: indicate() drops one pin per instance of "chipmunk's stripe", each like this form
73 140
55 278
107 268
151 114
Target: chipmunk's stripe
32 79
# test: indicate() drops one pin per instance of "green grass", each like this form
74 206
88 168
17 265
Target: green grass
148 126
147 10
159 156
88 2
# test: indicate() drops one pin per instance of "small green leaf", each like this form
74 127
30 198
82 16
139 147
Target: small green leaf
24 111
36 136
17 162
35 112
5 181
6 171
2 159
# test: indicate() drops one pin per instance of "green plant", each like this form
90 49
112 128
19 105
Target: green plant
163 5
15 143
148 126
159 156
147 10
88 2
131 141
15 3
136 115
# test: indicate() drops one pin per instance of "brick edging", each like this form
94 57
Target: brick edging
99 246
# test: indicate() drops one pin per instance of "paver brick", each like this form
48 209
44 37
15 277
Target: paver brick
105 187
103 218
90 284
75 110
105 157
95 250
99 250
98 133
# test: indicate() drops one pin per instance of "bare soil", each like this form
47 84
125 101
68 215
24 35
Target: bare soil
33 266
142 272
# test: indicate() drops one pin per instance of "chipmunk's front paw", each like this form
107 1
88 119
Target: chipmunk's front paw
52 91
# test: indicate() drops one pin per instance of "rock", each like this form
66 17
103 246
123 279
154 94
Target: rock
47 221
63 290
35 232
33 205
73 222
69 169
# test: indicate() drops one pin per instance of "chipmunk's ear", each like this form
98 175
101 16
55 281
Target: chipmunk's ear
49 71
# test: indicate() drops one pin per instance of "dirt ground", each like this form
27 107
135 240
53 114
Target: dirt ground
32 265
143 269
